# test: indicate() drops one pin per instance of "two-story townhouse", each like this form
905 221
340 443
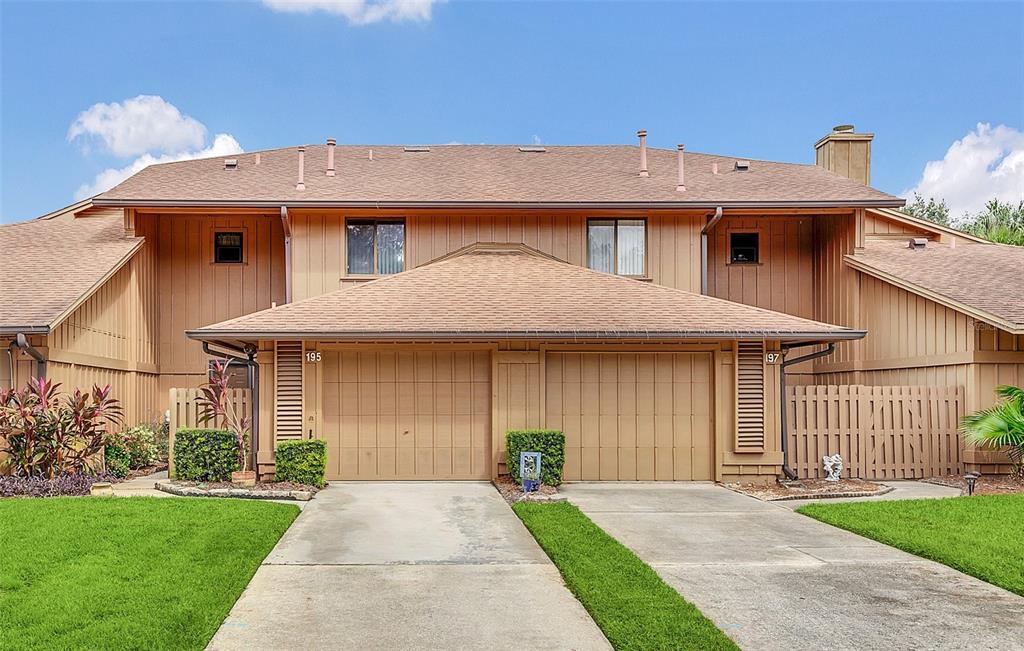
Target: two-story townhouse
410 304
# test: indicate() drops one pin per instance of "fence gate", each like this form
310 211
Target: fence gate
882 432
185 412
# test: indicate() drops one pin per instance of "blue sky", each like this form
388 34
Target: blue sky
760 80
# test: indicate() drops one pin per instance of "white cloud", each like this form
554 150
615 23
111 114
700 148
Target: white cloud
987 163
223 145
139 125
360 12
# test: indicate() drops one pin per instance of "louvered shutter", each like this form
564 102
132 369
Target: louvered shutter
288 390
750 396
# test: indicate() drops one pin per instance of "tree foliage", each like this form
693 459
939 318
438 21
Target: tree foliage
1001 222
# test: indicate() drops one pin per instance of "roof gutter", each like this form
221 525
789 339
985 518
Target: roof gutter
28 330
783 403
704 249
277 203
286 222
793 338
21 341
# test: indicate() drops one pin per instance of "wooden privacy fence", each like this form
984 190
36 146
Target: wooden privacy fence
185 412
882 432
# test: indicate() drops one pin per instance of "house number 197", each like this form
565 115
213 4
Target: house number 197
313 356
772 358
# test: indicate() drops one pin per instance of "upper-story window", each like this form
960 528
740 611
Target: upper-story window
375 246
744 248
617 246
227 247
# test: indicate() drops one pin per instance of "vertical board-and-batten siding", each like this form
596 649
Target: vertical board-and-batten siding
318 253
195 292
750 416
288 389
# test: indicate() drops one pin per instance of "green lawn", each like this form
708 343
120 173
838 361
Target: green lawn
982 535
627 599
127 573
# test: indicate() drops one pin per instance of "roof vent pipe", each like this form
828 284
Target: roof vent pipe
330 156
642 134
301 185
681 183
714 168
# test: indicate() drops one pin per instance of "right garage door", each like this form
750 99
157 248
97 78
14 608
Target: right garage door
632 416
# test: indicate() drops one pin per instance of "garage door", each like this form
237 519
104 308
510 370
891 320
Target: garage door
632 416
407 415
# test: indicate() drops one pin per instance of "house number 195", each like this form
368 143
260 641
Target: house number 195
313 356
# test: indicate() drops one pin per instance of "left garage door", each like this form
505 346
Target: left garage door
407 415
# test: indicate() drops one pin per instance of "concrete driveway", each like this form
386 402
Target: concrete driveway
774 579
410 565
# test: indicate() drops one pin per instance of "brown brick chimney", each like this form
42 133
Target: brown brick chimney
846 152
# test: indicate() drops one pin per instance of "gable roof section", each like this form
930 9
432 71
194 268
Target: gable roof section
924 224
514 292
470 175
981 280
50 265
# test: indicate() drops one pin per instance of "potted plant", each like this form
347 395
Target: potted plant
215 401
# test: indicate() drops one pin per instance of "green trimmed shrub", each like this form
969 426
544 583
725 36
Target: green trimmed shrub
301 462
551 445
117 459
205 454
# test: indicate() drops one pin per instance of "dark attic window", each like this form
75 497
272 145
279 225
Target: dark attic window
227 248
743 248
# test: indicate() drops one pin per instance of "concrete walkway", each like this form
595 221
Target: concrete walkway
902 490
141 486
774 579
431 565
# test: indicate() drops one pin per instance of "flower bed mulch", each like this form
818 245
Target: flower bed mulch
804 489
64 486
513 492
272 490
985 485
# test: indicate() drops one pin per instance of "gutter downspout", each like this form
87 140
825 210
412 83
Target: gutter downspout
21 341
234 354
287 223
704 249
789 472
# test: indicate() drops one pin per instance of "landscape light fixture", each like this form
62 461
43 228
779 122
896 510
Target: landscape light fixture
971 478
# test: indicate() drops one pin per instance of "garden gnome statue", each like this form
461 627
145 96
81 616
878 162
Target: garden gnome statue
833 467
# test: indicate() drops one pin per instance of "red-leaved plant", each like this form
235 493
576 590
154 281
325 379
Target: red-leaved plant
216 404
48 434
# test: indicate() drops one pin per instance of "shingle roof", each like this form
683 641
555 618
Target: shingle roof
986 280
473 174
50 264
511 291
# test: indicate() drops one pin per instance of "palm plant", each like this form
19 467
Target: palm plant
1000 426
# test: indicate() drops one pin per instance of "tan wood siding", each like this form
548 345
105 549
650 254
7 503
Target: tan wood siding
117 323
194 292
783 278
633 416
673 254
404 414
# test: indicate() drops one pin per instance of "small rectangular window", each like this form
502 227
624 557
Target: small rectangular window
227 247
744 248
375 247
238 374
617 246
